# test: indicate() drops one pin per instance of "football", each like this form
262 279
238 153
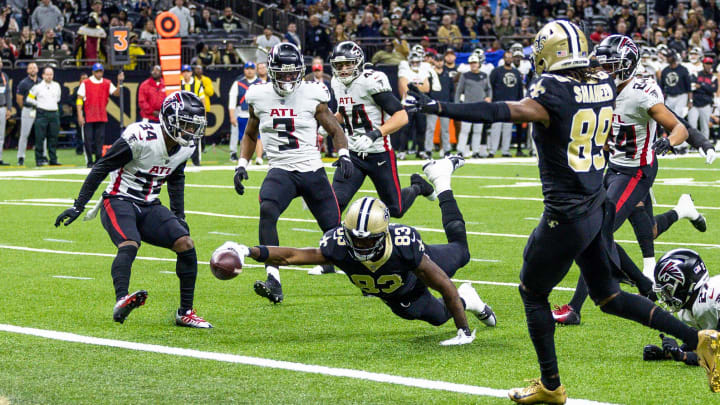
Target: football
225 263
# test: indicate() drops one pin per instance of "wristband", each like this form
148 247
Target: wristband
242 162
343 152
264 253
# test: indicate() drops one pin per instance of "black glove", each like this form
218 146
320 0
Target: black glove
652 353
240 175
344 165
422 102
671 347
662 146
184 224
68 216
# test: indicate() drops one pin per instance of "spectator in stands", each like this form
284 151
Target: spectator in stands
264 43
339 34
198 74
704 86
317 40
90 40
678 42
469 30
7 23
148 34
204 57
626 16
151 95
45 97
238 107
92 99
5 108
473 86
47 16
292 36
599 34
387 55
216 54
196 17
621 28
205 23
187 24
433 13
448 32
507 85
486 29
262 71
369 28
134 50
447 94
230 55
49 42
505 22
228 22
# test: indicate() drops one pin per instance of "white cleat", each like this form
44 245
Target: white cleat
191 319
440 171
322 269
685 208
475 305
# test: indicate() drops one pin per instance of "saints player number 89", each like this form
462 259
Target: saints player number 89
588 127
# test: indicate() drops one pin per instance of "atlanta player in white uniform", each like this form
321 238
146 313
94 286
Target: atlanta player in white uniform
286 112
487 68
370 113
639 106
144 157
682 283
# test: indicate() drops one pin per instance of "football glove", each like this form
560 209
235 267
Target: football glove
240 175
652 353
421 102
710 156
364 142
344 164
671 347
242 250
68 216
662 146
464 337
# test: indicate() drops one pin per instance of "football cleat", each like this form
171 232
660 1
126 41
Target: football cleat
191 319
685 208
566 315
126 304
322 269
426 190
536 393
475 305
440 171
270 289
708 351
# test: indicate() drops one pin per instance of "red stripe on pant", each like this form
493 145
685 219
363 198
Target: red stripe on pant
113 219
628 190
393 165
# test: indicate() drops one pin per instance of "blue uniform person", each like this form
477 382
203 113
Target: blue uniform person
571 107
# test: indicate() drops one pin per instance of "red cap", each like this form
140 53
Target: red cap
426 38
317 67
707 59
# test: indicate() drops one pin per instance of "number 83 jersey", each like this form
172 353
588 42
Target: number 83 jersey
390 276
288 127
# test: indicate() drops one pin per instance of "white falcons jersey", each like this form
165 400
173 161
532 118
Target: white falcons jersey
693 68
426 70
359 112
288 127
142 178
634 130
705 311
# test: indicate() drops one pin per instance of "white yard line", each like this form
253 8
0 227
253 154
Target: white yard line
58 240
74 278
268 363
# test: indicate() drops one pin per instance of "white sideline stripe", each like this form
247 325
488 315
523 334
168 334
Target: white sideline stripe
167 272
164 259
224 233
75 278
58 240
267 363
486 260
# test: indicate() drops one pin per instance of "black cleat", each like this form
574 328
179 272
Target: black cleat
270 289
21 161
426 189
699 223
126 304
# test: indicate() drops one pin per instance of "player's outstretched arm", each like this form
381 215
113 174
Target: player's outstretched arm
697 140
434 277
665 117
285 256
116 157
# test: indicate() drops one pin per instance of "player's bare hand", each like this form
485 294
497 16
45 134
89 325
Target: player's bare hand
240 175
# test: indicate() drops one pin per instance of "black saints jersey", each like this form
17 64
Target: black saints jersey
389 277
570 148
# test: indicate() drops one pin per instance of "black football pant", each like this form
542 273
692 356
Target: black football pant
420 303
94 133
548 255
382 170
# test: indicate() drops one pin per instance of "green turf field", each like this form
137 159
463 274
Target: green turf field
324 321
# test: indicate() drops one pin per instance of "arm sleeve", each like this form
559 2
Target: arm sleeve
176 191
695 138
116 157
476 112
388 102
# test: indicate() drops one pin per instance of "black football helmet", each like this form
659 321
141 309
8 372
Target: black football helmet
347 61
619 56
286 68
182 117
678 274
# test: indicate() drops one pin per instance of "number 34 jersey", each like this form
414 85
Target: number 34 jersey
570 155
392 275
358 109
288 127
633 128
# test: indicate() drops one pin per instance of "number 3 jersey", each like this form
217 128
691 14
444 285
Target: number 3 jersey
633 128
392 275
570 155
288 127
142 177
358 109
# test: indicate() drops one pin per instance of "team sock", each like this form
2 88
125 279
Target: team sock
408 195
665 221
643 226
580 295
541 327
632 271
273 271
120 269
186 270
